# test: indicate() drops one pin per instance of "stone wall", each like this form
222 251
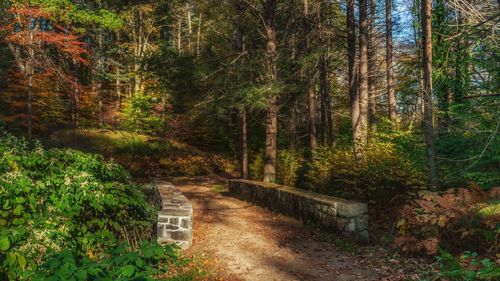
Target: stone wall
348 217
175 218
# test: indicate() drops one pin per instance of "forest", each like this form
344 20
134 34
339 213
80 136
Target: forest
394 103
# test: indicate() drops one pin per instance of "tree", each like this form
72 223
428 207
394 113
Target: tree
360 132
33 34
391 97
311 93
269 20
372 79
428 120
242 114
352 69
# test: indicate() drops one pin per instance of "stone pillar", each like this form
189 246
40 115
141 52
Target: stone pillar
175 219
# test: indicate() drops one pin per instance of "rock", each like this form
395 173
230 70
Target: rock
362 222
351 209
351 226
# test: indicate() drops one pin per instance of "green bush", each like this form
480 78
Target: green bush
289 162
334 170
119 263
287 166
467 267
256 166
144 114
55 200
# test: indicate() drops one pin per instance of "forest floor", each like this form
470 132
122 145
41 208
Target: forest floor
239 241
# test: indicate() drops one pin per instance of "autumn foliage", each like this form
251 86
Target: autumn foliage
456 220
32 27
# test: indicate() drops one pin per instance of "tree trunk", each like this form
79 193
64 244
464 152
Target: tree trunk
243 145
360 133
96 83
326 103
138 50
351 53
30 71
118 84
326 110
417 37
271 116
198 36
292 127
190 27
391 97
311 94
76 105
179 36
239 49
371 69
427 122
30 101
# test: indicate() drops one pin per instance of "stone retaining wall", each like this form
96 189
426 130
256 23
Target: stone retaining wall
348 217
175 218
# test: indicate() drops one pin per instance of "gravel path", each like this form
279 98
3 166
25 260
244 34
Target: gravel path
247 242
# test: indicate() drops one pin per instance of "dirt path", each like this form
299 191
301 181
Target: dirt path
250 243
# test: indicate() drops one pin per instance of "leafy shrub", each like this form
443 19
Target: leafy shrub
287 166
144 114
456 220
186 165
289 162
334 171
256 165
64 199
467 267
119 263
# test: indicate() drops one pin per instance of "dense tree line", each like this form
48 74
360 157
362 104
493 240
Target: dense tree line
256 77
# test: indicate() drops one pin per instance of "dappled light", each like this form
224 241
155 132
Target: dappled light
249 140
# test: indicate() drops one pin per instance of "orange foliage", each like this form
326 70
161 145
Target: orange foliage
431 219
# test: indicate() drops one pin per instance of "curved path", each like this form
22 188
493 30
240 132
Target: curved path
247 242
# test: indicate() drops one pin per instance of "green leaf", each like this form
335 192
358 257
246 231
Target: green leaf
11 258
4 243
18 210
20 200
81 275
127 271
22 261
148 252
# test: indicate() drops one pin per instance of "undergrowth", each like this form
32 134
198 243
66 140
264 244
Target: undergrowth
144 155
64 213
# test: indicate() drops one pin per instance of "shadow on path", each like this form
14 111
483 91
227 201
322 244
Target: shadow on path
251 243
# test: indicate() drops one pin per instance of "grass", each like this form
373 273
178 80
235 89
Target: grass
220 188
